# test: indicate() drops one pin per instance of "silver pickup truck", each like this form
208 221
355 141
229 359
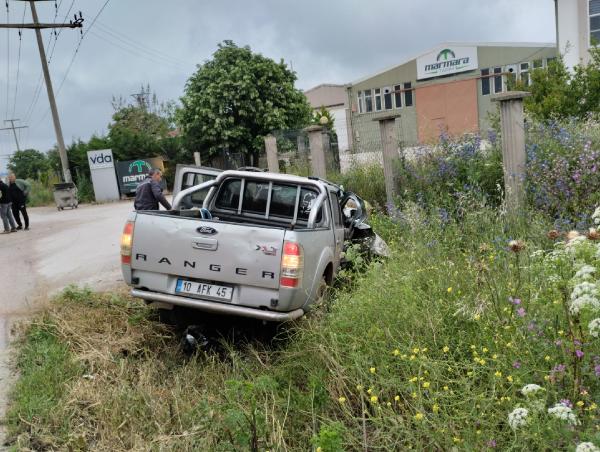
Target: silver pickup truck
252 244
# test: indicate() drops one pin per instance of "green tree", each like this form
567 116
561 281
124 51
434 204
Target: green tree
235 99
557 93
328 122
28 164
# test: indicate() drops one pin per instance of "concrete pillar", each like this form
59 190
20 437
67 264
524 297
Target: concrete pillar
391 155
271 148
513 147
197 160
316 143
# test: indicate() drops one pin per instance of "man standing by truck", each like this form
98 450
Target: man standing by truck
19 194
149 193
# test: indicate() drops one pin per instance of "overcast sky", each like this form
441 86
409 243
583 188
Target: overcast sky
136 42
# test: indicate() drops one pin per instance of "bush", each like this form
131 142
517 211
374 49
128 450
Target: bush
41 194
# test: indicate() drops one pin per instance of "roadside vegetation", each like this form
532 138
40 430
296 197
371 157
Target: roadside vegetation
480 332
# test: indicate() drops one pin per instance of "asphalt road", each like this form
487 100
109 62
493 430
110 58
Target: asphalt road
79 246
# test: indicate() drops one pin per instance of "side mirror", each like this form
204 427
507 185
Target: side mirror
353 209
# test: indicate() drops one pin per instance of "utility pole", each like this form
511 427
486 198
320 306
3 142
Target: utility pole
14 129
37 26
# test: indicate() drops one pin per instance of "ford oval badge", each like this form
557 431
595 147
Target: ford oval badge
206 230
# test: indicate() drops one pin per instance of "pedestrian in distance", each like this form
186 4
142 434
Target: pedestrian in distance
149 193
5 209
19 194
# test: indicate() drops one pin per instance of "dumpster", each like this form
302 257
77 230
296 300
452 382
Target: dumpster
65 195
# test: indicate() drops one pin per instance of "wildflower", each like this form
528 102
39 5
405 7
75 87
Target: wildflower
484 350
446 388
397 398
449 289
517 365
518 418
424 350
476 317
414 395
491 443
585 272
509 378
584 295
580 403
563 412
521 312
412 357
593 234
435 408
319 449
478 432
587 447
553 234
597 370
473 347
419 416
596 215
515 301
469 373
415 350
531 389
494 356
396 352
594 327
372 370
370 391
425 384
446 349
374 399
342 400
579 354
547 358
413 379
456 439
516 246
388 404
359 387
498 374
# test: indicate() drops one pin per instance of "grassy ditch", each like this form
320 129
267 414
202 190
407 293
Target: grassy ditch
430 350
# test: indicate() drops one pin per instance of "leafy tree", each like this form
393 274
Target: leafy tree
238 97
28 164
557 93
327 122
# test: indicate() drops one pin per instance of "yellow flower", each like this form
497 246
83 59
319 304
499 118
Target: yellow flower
359 387
436 408
498 373
561 332
412 357
396 352
547 358
319 449
415 350
413 379
469 373
424 350
425 384
374 399
476 317
592 407
456 439
389 404
370 391
449 289
580 403
446 349
372 370
397 398
478 432
342 399
473 347
414 395
419 416
494 356
510 378
484 350
546 378
446 388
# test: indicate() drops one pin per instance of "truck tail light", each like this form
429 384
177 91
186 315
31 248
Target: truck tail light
126 240
292 265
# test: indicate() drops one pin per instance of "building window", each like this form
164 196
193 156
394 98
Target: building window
498 80
368 101
398 96
378 99
524 71
594 22
361 102
485 82
538 64
408 94
387 98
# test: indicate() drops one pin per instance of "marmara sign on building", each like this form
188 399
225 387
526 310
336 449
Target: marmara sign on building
446 61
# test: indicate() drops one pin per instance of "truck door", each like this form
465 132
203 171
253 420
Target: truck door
187 176
338 226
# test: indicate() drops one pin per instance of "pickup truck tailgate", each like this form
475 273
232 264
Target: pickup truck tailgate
207 250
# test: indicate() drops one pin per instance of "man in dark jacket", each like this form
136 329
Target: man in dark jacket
5 210
149 193
19 193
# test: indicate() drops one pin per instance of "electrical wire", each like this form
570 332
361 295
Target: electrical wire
18 63
7 59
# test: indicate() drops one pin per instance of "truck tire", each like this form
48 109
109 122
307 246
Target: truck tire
322 289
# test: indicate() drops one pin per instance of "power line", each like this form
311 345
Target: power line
7 60
18 63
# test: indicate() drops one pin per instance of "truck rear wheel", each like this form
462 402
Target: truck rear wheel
322 290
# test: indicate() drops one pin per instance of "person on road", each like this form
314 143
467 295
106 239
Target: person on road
149 193
19 194
5 209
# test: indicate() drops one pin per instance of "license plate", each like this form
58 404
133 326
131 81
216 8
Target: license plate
199 289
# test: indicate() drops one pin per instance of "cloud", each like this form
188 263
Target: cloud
160 43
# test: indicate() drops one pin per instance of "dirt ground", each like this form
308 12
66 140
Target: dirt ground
78 246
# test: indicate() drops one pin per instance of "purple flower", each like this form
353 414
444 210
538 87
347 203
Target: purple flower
517 365
521 312
597 370
579 354
558 342
567 403
531 325
491 443
515 301
560 368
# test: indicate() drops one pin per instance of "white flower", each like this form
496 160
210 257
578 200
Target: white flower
596 215
587 447
585 272
518 418
530 389
575 242
594 327
584 295
564 413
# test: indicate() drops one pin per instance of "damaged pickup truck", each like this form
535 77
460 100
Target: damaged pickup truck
252 244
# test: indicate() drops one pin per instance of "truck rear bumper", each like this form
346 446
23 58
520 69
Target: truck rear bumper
218 308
